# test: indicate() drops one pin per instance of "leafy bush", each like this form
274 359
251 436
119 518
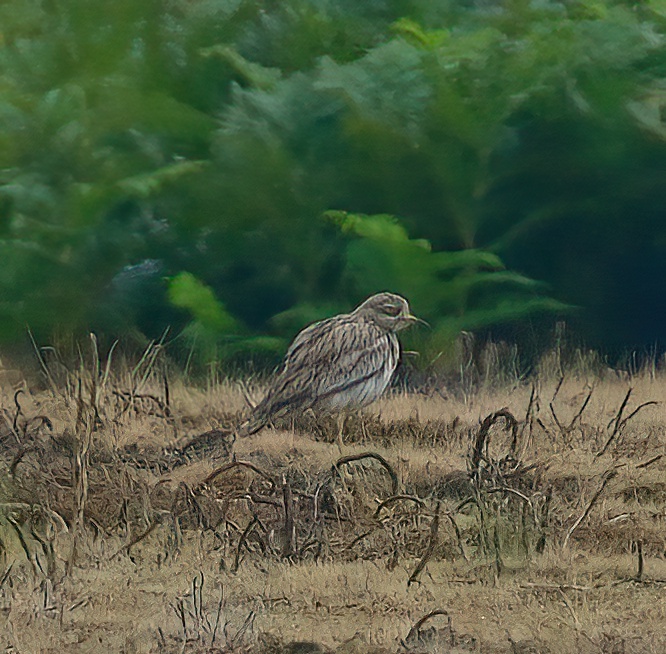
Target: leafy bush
201 142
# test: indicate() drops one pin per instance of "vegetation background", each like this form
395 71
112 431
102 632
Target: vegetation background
233 169
213 174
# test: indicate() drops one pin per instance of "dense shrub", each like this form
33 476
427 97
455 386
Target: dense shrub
237 168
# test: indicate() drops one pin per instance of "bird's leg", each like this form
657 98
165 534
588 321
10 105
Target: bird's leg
341 417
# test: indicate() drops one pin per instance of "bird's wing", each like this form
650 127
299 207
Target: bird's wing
326 358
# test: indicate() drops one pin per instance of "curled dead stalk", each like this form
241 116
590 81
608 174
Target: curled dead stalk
398 498
370 455
239 464
413 632
481 442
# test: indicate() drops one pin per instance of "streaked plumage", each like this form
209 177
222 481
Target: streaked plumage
343 362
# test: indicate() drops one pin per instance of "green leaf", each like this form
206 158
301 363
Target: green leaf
260 77
147 184
185 291
380 227
413 32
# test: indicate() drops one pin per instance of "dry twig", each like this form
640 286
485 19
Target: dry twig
432 542
620 423
608 475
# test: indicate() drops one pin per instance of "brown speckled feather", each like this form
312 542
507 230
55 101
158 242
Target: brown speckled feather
345 361
329 363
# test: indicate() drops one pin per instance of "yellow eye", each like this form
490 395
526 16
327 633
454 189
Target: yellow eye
391 309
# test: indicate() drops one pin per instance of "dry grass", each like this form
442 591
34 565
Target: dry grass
126 526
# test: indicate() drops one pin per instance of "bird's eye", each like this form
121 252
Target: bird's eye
392 309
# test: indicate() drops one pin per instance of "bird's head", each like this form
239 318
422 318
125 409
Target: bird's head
387 310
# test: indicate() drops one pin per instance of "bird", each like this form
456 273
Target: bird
338 364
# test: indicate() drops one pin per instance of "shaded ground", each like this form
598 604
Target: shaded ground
531 518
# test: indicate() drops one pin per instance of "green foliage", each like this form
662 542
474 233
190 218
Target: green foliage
454 291
516 141
213 333
187 292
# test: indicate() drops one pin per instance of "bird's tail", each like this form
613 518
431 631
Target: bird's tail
252 425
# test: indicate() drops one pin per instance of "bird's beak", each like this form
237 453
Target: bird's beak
413 319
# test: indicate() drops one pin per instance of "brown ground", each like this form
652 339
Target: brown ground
526 546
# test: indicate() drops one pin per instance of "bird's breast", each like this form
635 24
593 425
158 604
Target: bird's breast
368 380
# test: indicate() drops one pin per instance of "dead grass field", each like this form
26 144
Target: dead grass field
529 518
